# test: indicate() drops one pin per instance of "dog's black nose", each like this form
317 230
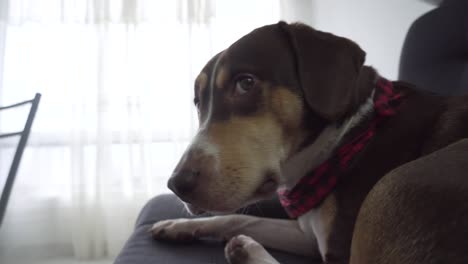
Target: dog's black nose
182 183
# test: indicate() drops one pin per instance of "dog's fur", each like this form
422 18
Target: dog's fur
277 103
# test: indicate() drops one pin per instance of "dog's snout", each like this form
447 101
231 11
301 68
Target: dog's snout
194 170
182 183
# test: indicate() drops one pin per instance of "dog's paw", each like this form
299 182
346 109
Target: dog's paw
244 250
181 230
236 250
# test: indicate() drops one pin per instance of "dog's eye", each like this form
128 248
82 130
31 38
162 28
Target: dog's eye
244 84
196 101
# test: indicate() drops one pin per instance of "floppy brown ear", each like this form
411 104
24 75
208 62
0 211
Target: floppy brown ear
328 68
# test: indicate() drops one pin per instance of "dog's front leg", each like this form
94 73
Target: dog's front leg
285 235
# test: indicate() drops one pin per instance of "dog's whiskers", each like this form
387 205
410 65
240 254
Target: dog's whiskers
183 210
243 210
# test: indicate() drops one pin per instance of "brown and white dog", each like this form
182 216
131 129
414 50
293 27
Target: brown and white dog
283 100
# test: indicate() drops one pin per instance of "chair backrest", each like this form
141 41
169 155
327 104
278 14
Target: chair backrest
23 138
434 55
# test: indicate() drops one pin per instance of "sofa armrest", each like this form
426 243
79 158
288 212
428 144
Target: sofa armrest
141 248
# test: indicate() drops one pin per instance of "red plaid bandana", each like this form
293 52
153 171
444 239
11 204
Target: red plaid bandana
313 188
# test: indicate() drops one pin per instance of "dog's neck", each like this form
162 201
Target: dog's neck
323 147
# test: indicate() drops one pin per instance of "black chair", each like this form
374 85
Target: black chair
23 138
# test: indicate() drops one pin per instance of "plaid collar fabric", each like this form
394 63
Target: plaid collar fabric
313 188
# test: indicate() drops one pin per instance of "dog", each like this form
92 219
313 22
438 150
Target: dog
370 171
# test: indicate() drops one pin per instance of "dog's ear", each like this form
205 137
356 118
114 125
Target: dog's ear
328 68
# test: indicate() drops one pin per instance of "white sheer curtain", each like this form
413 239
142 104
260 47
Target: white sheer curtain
116 78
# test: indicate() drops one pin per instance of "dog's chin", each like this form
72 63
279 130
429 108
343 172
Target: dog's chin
266 190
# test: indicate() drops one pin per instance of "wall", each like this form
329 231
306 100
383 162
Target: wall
378 26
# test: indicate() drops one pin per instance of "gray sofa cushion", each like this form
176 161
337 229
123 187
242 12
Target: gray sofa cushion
142 249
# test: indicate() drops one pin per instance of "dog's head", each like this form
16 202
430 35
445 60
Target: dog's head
259 101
